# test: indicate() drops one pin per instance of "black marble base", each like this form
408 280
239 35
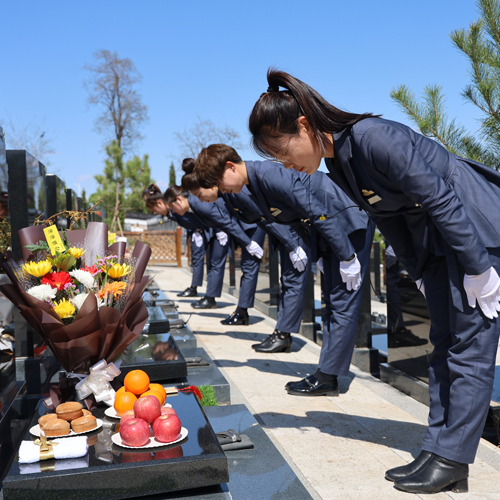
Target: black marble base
158 355
157 321
13 422
184 337
156 298
207 375
112 473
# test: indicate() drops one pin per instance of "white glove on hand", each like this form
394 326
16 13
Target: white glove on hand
222 237
197 239
299 259
255 250
350 271
320 265
485 288
420 286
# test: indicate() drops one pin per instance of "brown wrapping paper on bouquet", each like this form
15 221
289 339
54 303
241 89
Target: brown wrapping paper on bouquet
95 333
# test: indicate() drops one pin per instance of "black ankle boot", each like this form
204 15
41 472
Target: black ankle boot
409 469
436 475
276 342
236 318
205 303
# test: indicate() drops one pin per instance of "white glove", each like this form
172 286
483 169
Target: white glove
222 237
299 259
420 286
255 250
485 288
350 271
197 239
320 265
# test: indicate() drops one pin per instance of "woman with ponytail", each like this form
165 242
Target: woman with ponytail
196 232
435 209
247 235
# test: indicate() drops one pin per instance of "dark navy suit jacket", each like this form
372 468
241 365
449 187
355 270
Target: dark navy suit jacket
300 200
422 197
215 215
245 209
192 223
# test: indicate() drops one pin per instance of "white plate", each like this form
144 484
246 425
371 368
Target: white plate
152 443
35 430
111 412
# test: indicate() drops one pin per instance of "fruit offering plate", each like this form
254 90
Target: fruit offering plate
152 443
35 430
111 412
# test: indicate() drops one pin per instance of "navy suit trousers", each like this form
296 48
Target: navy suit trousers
197 261
250 271
215 276
293 286
340 319
462 365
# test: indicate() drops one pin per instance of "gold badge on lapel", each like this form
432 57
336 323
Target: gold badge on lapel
275 211
370 195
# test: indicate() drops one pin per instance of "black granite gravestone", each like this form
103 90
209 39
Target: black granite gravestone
112 472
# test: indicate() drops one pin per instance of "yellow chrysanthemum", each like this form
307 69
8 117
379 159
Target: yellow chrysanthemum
116 289
38 269
118 270
111 238
64 309
76 252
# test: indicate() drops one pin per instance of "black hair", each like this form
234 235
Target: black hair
276 114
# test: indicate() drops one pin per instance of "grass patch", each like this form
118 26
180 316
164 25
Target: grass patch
208 393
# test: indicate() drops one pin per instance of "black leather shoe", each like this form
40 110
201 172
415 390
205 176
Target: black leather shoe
404 338
205 303
265 342
190 291
236 319
409 469
273 343
309 386
436 475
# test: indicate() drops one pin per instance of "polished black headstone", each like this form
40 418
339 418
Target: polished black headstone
112 473
157 355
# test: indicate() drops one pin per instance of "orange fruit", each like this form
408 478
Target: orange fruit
154 393
124 401
136 382
160 389
121 389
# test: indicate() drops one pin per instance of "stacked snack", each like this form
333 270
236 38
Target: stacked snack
68 416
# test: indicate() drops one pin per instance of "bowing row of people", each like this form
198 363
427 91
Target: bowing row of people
307 218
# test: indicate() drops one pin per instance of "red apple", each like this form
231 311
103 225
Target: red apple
167 428
134 432
167 410
127 416
175 452
148 408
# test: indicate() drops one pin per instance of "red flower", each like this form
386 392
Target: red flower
57 280
92 270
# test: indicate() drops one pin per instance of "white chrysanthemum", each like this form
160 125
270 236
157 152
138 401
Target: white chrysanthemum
84 277
79 299
43 292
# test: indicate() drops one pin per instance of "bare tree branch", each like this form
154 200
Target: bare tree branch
112 86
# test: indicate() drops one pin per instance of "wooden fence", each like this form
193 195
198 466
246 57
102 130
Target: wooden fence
165 245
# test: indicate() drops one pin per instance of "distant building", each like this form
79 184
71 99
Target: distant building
139 222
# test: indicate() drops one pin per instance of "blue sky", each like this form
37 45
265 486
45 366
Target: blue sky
209 60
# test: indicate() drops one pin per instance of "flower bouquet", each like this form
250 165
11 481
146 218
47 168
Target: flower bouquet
82 297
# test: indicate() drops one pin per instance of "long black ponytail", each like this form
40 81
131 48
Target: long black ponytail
276 113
